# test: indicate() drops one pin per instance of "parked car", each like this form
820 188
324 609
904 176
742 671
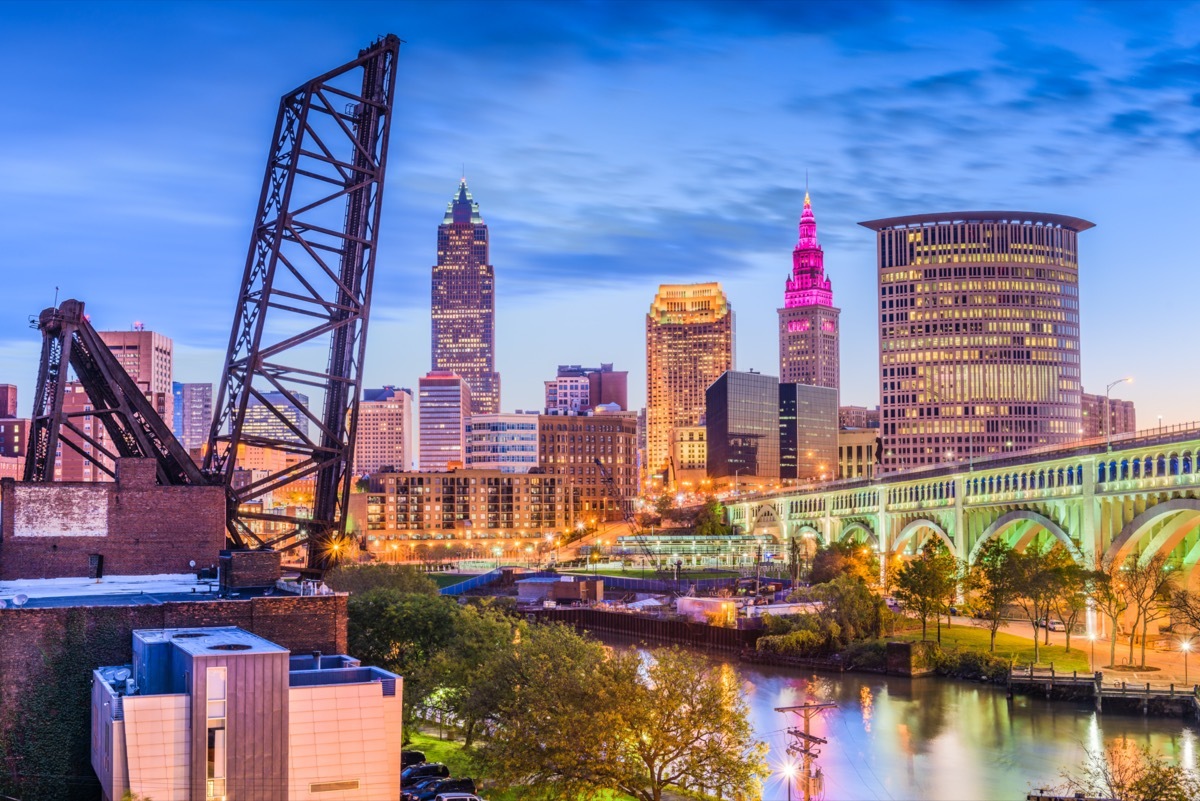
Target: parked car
457 797
418 786
410 758
423 770
434 789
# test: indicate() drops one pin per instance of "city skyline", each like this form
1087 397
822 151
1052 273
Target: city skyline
590 211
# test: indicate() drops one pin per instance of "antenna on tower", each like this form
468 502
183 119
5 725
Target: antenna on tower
806 181
56 297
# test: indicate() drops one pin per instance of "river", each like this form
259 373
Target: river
937 739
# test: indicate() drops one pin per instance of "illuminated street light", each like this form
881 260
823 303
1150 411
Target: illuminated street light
1185 646
1107 412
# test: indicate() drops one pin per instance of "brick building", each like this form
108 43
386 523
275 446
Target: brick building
569 445
1122 417
130 527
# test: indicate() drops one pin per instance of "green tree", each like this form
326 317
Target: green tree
850 611
468 671
1128 772
710 519
926 583
664 505
355 578
683 727
554 732
992 583
401 632
1069 600
1036 572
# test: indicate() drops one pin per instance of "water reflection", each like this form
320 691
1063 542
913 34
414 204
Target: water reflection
932 739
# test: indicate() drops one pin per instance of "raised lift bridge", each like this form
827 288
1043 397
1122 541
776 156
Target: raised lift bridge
305 292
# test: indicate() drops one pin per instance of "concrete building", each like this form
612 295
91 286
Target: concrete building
858 417
14 431
460 513
504 442
569 445
742 426
220 713
856 452
978 333
86 461
444 403
1122 417
263 425
577 389
689 344
384 437
809 350
193 414
808 432
464 303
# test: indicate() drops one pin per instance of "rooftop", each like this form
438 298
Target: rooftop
211 640
108 591
947 217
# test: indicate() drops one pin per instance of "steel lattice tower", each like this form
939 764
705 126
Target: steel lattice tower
307 283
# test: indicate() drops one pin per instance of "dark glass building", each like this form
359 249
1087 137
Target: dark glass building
808 432
742 425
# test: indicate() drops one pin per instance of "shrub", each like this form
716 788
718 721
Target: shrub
796 643
871 655
970 665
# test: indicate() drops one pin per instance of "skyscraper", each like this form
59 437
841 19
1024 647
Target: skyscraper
978 334
263 424
576 388
384 436
444 403
689 344
507 442
193 413
808 432
464 303
808 322
146 356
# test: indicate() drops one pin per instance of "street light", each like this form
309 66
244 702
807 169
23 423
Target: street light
735 478
789 772
1092 663
1185 646
1107 413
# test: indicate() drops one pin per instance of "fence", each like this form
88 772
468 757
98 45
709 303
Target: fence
643 627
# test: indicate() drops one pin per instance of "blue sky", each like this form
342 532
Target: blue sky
611 146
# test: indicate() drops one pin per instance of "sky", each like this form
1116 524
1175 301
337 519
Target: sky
611 146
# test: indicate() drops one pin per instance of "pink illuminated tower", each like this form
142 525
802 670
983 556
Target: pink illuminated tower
808 321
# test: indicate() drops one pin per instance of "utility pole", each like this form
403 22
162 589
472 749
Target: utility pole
805 745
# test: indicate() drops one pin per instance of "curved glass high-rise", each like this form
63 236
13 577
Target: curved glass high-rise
978 334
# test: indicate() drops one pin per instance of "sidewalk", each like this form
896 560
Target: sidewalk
1170 664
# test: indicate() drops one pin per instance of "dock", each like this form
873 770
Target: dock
1119 696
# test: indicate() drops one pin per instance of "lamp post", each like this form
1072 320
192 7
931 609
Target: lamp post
1092 662
1108 413
789 773
1185 646
735 478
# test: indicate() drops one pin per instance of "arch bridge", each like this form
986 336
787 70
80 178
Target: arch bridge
1139 496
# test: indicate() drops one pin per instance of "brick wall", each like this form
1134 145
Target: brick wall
37 645
138 527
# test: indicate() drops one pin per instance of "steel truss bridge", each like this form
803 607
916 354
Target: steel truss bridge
1139 496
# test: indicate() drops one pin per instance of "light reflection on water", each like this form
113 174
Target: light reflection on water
896 739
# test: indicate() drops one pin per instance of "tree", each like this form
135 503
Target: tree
1107 592
683 727
1148 585
556 729
404 579
401 632
924 584
1069 599
992 582
710 519
843 558
1185 607
664 505
1036 573
1127 772
849 610
466 672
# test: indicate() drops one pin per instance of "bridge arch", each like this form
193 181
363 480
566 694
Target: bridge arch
909 533
1186 512
766 519
860 532
1028 524
808 531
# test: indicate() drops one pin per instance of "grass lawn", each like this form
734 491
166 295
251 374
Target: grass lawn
451 753
1008 646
